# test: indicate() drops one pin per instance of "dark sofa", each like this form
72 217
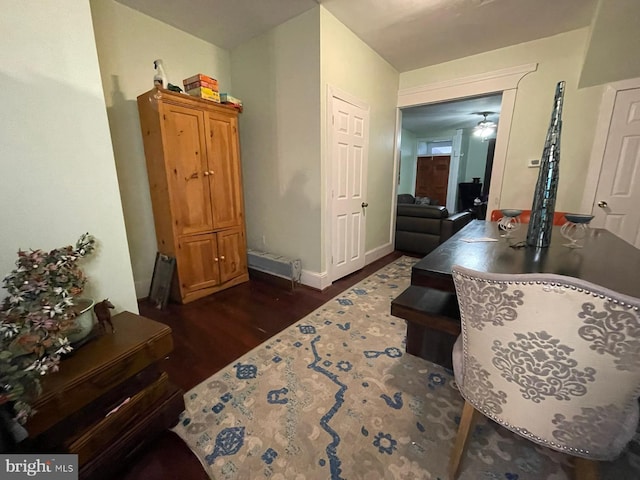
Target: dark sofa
420 228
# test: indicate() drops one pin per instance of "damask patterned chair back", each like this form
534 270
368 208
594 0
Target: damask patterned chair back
552 358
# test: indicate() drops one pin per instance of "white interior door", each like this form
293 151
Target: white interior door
349 134
618 193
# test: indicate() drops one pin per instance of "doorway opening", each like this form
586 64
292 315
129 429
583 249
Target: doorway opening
444 154
505 80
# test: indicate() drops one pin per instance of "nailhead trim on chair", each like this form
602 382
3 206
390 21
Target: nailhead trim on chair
525 433
555 284
522 431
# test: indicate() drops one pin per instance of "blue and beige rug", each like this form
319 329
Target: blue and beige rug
335 396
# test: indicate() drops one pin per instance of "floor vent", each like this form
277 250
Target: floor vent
277 265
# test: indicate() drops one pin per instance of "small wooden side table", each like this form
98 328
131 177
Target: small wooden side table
109 398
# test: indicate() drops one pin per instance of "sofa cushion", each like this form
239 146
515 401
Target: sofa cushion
421 225
421 228
422 201
422 211
406 198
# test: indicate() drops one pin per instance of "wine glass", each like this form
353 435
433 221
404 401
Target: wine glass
509 222
575 228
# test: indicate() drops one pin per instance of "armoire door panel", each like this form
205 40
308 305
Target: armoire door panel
186 148
224 169
198 262
233 255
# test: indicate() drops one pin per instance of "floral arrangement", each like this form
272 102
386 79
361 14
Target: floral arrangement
35 319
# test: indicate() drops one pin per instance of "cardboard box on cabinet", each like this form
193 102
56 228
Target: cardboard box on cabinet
200 80
206 93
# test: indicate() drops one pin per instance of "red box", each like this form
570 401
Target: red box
201 83
200 77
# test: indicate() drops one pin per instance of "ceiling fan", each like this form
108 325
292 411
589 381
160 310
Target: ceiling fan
485 128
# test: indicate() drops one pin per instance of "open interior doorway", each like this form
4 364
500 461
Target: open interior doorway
459 135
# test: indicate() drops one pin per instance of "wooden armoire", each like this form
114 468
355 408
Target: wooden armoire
195 178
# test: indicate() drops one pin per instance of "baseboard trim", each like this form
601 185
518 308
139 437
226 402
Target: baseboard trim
316 280
320 281
377 253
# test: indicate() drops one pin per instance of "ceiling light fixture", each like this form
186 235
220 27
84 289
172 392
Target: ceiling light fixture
485 128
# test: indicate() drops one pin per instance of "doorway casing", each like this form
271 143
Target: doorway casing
505 80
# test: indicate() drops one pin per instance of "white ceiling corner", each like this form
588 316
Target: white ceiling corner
409 34
225 23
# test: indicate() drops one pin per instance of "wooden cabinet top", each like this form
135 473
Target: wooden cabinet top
98 366
167 96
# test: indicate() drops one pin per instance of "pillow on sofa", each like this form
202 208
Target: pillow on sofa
423 201
406 198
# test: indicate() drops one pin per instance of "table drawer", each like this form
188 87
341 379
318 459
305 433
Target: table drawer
117 455
98 367
97 437
74 424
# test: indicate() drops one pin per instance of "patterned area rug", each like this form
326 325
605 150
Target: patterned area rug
335 396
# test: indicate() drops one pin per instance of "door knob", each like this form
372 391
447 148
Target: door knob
365 205
603 204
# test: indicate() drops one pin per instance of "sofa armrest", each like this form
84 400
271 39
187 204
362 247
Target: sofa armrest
454 223
423 211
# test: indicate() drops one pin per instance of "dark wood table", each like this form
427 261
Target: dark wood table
605 259
432 321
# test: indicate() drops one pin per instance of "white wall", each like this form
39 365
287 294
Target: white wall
352 66
282 77
476 158
128 42
558 58
58 173
277 76
615 40
408 148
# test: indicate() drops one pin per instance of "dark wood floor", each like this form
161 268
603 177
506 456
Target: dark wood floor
209 334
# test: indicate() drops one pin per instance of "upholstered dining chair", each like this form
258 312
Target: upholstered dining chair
552 358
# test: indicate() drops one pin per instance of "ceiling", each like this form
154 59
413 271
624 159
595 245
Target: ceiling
439 117
409 34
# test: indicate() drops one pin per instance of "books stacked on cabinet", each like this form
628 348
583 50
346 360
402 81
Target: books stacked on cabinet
202 86
229 100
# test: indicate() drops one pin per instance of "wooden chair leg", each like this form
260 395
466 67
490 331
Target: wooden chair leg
469 416
585 469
